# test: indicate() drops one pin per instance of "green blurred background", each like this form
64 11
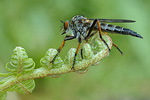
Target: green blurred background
35 25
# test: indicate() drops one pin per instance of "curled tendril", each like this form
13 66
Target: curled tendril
22 72
19 65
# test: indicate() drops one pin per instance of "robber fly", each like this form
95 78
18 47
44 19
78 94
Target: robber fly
82 29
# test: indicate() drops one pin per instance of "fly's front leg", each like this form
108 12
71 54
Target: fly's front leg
66 38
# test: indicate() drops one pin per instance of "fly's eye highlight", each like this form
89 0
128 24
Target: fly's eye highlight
66 25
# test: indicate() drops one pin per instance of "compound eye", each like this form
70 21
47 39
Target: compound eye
66 25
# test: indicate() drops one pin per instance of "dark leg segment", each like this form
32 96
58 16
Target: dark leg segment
118 48
82 53
92 34
100 33
66 38
91 28
76 53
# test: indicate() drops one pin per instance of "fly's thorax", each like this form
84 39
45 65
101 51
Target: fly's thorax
77 18
78 25
79 29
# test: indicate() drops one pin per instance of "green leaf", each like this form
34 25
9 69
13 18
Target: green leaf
5 79
70 56
87 51
46 60
26 86
20 62
23 66
3 95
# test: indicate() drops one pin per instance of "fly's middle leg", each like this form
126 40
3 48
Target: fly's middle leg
76 53
82 53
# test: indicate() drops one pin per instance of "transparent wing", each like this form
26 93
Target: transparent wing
115 20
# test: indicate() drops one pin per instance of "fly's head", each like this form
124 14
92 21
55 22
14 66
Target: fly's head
66 27
77 25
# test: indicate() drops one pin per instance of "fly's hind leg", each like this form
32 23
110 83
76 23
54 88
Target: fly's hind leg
100 34
118 48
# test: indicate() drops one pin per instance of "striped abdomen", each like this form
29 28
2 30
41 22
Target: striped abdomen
117 29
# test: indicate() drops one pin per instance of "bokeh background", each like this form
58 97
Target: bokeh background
35 25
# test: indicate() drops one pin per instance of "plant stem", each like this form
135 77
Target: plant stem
44 72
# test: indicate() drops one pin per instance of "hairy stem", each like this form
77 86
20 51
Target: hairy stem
90 59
